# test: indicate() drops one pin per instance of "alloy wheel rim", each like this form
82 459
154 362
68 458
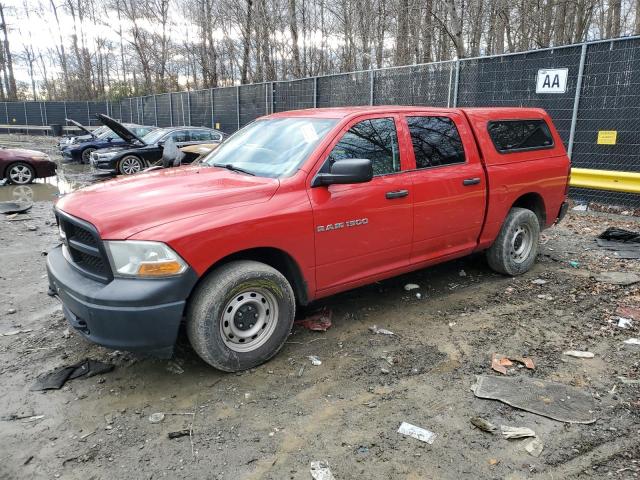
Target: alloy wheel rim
20 174
249 319
521 243
130 165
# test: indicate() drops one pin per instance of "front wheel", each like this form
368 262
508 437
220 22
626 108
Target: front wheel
515 249
20 173
240 315
86 155
130 165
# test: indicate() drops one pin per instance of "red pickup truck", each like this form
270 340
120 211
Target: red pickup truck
297 206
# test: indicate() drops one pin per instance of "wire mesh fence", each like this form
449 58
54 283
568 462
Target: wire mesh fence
602 93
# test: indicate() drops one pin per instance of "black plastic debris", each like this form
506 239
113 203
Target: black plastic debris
56 379
14 207
624 243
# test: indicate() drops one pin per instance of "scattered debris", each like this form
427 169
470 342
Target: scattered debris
625 243
178 434
462 273
629 381
174 367
156 417
632 341
625 322
16 416
380 331
539 281
483 424
14 207
33 418
417 433
578 354
574 264
581 208
56 379
534 447
516 432
542 397
32 228
500 362
411 286
16 332
318 322
629 312
618 278
11 311
493 461
320 470
315 360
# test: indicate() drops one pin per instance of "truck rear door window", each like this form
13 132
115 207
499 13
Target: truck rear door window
375 139
517 135
436 141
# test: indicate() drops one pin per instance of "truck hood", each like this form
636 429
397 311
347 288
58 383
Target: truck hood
123 207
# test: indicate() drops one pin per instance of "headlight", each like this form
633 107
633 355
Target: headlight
105 156
132 258
72 140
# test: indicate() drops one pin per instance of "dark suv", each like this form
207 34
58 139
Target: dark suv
144 152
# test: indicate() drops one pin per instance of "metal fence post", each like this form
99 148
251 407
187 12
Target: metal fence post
88 115
213 124
189 107
273 97
24 106
65 111
455 86
315 92
238 105
131 109
171 109
155 107
576 100
371 77
120 103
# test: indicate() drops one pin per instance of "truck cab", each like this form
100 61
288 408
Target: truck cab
298 206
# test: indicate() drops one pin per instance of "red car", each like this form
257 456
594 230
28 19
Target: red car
298 206
20 166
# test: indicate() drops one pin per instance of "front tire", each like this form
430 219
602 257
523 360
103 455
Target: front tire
130 165
515 250
240 315
86 155
20 173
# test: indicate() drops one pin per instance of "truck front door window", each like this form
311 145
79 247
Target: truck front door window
436 141
374 139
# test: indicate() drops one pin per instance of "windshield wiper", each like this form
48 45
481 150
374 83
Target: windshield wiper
233 168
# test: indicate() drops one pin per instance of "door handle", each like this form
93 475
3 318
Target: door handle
471 181
397 194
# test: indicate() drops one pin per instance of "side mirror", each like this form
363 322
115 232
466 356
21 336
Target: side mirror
351 170
161 143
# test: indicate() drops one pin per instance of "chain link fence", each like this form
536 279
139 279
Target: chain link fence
602 94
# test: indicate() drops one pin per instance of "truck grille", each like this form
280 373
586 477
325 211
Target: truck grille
85 247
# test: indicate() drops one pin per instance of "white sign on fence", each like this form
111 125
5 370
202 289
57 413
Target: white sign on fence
552 80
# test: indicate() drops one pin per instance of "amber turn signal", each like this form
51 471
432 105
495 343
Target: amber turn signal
160 269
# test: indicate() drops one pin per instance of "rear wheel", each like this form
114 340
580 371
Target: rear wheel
86 154
240 315
516 248
20 173
130 165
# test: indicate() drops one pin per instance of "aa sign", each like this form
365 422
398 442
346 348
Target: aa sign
552 80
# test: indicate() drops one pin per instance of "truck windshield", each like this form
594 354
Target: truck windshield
272 147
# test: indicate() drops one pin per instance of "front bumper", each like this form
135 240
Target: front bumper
102 166
140 315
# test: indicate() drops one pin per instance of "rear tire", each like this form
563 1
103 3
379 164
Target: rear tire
240 315
515 250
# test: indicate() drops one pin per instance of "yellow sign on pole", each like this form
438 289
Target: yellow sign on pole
607 137
217 127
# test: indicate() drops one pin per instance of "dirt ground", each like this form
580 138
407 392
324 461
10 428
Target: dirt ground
272 421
